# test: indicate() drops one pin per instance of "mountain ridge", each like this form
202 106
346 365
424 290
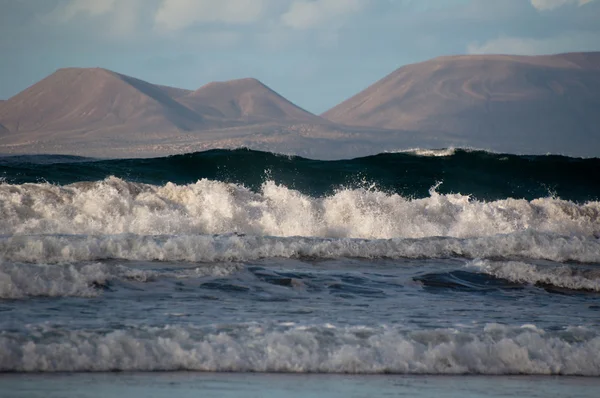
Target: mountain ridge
247 99
88 99
483 97
505 103
95 99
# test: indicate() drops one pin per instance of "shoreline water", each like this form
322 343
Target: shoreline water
193 384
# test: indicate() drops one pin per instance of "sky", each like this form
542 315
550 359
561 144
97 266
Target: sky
316 53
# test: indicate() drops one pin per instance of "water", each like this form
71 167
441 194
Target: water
448 262
225 385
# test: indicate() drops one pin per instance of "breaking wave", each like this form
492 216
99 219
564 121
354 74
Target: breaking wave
494 350
19 281
113 206
557 276
479 174
445 152
233 247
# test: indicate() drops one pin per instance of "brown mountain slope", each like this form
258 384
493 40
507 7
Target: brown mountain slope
174 92
486 98
82 99
245 100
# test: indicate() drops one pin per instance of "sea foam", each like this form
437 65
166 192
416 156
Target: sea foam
496 349
233 247
19 281
115 206
558 276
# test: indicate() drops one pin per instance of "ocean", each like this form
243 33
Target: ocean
446 272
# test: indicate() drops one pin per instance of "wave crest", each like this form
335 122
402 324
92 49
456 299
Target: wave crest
19 281
557 276
496 349
211 207
234 247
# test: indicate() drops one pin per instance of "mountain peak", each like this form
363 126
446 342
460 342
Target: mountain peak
236 86
564 60
86 99
88 73
485 98
246 99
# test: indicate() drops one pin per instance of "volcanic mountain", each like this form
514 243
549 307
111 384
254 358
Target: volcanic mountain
81 99
245 100
97 112
515 104
100 101
487 100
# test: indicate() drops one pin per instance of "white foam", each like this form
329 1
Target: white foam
27 280
494 350
430 152
116 206
21 280
559 276
231 247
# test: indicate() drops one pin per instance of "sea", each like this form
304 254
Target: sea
447 273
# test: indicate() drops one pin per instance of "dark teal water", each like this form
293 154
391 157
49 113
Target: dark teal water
483 175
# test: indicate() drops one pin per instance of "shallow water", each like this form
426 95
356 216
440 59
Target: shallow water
297 315
159 385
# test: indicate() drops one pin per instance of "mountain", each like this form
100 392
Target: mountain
99 100
514 104
82 99
173 92
246 100
495 101
97 112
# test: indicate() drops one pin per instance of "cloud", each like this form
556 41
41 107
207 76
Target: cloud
91 7
566 42
305 14
179 14
122 15
547 5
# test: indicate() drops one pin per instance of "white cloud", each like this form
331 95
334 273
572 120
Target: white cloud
122 15
179 14
547 5
90 7
566 42
304 14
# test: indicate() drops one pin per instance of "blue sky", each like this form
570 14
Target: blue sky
314 52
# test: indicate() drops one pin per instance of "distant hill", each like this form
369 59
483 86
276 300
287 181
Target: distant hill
98 100
495 101
97 112
174 92
245 100
80 99
514 104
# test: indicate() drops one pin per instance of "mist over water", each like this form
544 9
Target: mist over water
436 262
